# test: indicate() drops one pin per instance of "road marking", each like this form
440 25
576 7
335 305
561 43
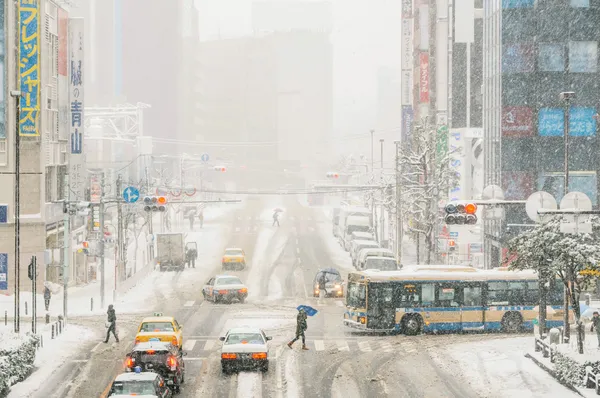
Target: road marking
296 240
80 360
298 250
96 347
409 347
233 385
185 359
386 347
364 346
319 345
342 345
189 345
209 345
189 303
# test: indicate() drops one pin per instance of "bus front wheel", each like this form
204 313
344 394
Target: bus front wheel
412 325
512 322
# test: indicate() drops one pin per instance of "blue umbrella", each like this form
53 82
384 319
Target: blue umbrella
310 311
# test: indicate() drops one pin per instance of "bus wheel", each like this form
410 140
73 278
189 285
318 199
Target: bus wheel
512 322
412 324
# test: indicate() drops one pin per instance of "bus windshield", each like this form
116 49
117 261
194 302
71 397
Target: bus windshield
357 295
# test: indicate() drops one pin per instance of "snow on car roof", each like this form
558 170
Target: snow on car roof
380 258
244 329
132 376
443 273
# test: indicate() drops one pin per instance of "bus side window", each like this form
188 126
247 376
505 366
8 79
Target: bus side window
427 294
447 295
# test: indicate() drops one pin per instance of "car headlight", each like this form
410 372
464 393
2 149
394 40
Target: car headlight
338 286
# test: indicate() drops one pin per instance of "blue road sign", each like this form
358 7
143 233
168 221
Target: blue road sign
131 194
205 157
454 234
3 271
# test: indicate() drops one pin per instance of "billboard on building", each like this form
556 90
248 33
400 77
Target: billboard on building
29 67
551 122
406 54
456 148
77 170
408 117
518 58
517 121
424 78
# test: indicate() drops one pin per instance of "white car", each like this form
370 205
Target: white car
245 348
225 288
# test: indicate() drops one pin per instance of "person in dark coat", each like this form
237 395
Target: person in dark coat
596 325
191 217
276 218
47 296
112 324
201 217
190 257
301 327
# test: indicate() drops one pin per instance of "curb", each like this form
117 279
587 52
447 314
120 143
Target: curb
553 374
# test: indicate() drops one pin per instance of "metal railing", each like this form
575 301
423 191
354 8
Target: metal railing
592 379
547 349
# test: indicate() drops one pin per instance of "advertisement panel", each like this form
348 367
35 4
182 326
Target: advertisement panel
579 181
518 58
517 121
517 185
551 122
424 78
406 87
77 170
583 56
3 271
408 117
456 148
517 3
407 44
424 27
29 67
551 57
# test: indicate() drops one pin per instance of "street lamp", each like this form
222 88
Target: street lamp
567 97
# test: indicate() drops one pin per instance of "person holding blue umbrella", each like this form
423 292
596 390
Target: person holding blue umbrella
301 327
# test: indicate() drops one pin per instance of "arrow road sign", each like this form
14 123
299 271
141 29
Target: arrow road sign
205 157
131 194
76 142
454 234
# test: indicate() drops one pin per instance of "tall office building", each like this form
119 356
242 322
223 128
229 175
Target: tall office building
533 51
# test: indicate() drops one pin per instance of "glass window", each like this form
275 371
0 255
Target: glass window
244 338
517 3
556 293
585 182
428 294
357 293
409 296
230 280
472 296
498 293
580 3
583 56
551 57
517 58
447 295
517 185
157 327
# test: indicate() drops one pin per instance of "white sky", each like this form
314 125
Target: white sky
366 35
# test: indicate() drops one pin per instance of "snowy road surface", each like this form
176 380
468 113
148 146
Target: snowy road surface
282 263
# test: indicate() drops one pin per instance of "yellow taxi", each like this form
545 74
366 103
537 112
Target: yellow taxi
234 258
163 328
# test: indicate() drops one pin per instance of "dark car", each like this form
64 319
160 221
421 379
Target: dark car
330 282
146 384
159 357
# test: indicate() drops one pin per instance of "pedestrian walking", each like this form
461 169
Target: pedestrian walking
47 296
191 217
201 217
190 257
301 327
596 325
276 218
111 324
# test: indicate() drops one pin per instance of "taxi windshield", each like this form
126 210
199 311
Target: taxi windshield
232 280
244 338
157 327
138 387
233 252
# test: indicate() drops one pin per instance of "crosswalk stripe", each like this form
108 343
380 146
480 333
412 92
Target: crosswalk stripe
409 347
386 347
364 346
189 345
319 345
189 303
342 345
209 345
339 303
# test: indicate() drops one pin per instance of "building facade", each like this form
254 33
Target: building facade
533 51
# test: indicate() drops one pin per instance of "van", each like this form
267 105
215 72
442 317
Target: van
354 224
357 245
381 263
359 235
371 252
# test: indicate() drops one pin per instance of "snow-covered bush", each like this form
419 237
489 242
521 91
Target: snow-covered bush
17 354
571 371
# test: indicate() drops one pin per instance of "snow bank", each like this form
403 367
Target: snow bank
291 373
340 257
48 358
17 355
249 385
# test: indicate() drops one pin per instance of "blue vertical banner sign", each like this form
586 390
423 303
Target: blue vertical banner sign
76 71
408 118
3 271
29 67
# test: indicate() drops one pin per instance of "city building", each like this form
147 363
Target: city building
533 51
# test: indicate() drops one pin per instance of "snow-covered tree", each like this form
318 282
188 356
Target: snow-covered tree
573 257
426 177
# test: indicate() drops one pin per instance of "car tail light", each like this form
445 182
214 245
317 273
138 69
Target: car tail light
137 341
150 352
362 320
172 363
243 290
227 355
130 362
222 291
259 355
174 340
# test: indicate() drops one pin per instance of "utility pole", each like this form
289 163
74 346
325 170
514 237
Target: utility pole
372 153
120 264
150 231
398 206
17 98
66 249
32 270
101 240
382 216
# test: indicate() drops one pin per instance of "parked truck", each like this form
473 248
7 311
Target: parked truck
353 219
170 251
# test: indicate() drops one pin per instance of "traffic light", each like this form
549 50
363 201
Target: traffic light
222 169
155 203
461 214
331 174
86 247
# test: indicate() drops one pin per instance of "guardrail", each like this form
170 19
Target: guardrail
547 349
592 379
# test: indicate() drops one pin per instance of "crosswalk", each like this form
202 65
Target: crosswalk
205 347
